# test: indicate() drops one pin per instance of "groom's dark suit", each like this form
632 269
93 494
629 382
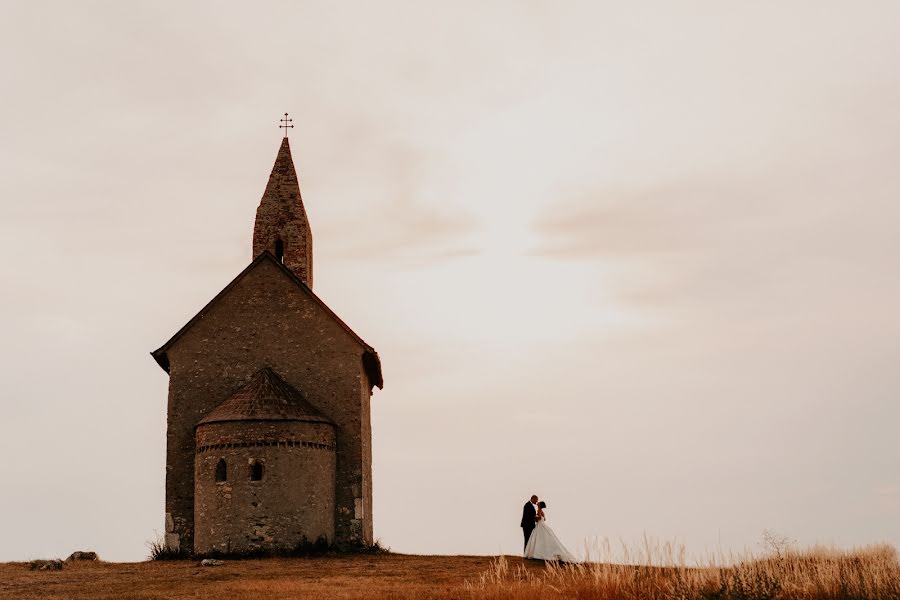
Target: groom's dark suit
528 513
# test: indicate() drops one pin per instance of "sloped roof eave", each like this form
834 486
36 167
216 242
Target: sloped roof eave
309 419
371 361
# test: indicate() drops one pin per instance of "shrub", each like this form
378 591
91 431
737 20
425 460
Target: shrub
160 551
304 549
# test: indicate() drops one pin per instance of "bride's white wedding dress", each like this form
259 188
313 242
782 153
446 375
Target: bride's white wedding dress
544 545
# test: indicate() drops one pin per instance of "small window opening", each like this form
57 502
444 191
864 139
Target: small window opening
221 471
256 471
279 250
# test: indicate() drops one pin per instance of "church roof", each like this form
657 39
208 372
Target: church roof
281 225
371 362
266 397
283 185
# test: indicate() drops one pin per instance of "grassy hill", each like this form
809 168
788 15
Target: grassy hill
817 574
338 578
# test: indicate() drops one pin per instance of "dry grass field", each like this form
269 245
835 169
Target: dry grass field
818 574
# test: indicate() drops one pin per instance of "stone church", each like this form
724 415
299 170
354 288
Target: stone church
269 439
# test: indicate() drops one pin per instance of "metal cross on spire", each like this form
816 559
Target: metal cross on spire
287 123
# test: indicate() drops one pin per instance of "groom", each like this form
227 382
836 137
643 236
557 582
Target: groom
529 516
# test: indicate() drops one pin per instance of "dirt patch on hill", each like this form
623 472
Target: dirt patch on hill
338 578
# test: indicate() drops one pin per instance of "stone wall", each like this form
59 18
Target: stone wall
282 217
292 502
267 320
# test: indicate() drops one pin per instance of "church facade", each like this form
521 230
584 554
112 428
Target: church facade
269 438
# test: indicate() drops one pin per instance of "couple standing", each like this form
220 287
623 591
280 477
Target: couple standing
540 541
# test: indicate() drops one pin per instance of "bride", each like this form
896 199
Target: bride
543 543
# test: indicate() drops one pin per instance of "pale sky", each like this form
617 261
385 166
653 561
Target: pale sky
641 261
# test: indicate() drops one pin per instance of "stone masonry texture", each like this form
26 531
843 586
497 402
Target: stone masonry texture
281 218
293 502
266 320
316 454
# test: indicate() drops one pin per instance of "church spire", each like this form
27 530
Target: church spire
281 226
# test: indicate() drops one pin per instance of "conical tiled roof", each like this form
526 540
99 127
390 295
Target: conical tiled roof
266 397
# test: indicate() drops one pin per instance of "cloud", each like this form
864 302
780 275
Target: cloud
781 236
393 211
407 230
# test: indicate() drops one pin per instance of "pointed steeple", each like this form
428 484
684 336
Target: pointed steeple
281 226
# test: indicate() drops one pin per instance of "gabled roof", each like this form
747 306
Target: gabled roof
371 362
266 397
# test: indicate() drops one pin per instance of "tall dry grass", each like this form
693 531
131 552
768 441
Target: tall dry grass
654 571
647 571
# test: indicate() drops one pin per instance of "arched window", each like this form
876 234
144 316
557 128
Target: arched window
256 471
221 471
279 250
